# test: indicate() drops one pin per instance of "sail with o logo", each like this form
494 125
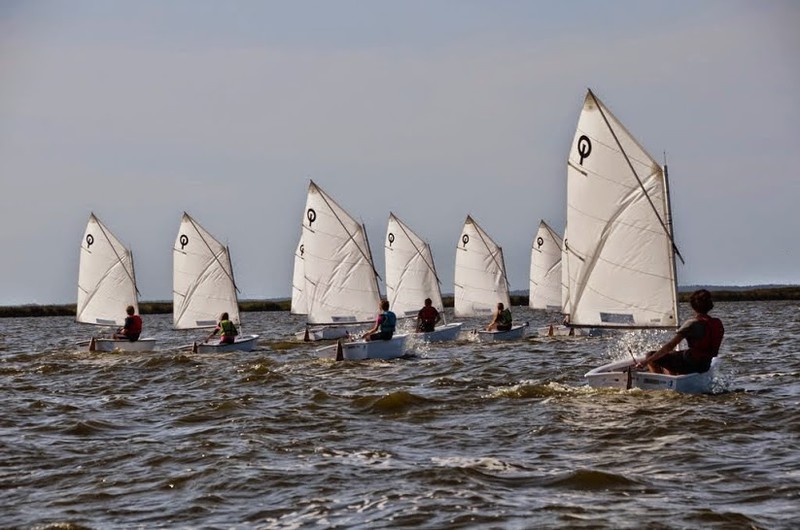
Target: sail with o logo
619 255
545 273
106 280
480 274
341 284
410 272
202 278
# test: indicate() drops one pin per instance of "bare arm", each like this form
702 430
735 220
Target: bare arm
665 349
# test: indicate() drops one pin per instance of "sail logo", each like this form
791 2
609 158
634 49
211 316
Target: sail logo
539 242
89 240
390 237
184 239
465 239
584 147
311 215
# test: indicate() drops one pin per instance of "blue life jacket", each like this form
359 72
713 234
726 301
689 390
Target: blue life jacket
389 322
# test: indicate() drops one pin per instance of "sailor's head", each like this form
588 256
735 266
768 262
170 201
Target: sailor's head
130 310
500 306
700 301
224 316
385 305
428 301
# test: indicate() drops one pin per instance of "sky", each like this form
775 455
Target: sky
433 110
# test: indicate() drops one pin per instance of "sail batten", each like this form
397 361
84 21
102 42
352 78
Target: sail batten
617 262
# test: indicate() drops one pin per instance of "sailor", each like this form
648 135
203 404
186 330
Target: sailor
502 319
132 327
384 324
703 334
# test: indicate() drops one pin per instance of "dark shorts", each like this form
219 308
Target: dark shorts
426 326
381 335
503 327
678 362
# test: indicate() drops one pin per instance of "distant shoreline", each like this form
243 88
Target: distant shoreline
153 308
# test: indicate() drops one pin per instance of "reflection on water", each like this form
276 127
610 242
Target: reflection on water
461 434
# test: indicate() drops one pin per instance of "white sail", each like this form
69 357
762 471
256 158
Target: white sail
545 274
410 272
480 275
340 281
299 302
619 250
202 278
106 281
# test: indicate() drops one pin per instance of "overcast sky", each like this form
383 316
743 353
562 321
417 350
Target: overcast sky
432 109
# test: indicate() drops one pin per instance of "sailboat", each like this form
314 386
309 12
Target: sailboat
545 274
411 278
106 286
620 252
341 285
203 286
480 280
548 290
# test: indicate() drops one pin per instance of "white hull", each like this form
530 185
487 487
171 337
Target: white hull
243 343
619 375
440 334
558 330
516 332
314 334
141 345
360 350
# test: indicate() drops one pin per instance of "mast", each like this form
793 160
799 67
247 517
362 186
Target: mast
668 209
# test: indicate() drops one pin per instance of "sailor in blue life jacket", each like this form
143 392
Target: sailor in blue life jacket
703 334
384 324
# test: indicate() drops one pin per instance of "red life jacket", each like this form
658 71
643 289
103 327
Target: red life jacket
136 325
428 314
707 347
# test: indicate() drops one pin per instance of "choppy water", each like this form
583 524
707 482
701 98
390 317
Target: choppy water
462 435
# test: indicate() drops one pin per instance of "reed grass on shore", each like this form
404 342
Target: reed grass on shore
154 308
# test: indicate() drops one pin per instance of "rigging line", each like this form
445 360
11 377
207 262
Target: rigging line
641 184
130 274
328 202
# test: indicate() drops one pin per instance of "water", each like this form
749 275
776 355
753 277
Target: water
462 435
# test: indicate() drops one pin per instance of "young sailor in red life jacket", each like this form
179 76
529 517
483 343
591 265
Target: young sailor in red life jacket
428 317
704 335
132 327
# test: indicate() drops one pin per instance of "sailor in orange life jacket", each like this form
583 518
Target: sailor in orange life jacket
132 327
704 335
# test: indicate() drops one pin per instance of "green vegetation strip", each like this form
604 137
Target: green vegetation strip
154 308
